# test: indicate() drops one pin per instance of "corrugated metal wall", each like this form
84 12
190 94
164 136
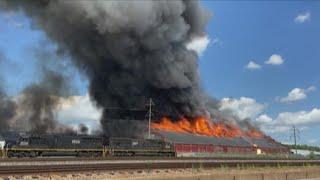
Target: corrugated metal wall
208 148
190 143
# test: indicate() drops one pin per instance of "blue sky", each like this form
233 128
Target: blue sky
253 31
239 32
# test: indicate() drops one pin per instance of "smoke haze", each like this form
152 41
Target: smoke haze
34 109
39 102
7 106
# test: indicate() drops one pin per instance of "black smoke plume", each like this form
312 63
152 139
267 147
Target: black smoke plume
129 50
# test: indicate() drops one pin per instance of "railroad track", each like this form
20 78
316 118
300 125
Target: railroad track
66 158
36 167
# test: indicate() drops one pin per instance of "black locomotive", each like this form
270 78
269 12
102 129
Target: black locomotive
84 146
139 147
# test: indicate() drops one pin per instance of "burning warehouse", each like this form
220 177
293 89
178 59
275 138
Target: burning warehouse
198 137
202 137
197 145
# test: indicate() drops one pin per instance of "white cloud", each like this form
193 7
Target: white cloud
302 17
284 121
275 59
199 44
264 119
77 109
299 118
253 65
311 88
297 94
243 108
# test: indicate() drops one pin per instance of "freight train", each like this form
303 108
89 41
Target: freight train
83 146
164 144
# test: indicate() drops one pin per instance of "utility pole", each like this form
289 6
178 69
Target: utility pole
149 117
295 134
295 138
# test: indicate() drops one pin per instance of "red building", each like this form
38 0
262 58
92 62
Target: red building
190 144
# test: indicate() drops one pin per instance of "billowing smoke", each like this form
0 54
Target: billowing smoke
7 111
39 102
33 110
130 51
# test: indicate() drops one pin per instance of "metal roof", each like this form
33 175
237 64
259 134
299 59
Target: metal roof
265 142
185 138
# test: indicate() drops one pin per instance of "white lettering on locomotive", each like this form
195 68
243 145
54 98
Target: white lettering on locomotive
75 141
24 143
135 143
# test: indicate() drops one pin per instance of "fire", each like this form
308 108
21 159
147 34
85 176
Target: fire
203 126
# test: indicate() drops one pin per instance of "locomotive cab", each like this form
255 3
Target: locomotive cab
2 147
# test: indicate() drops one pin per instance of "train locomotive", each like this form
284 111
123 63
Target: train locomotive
83 146
163 144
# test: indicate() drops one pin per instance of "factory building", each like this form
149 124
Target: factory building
194 145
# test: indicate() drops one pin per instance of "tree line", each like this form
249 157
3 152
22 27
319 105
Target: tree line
303 147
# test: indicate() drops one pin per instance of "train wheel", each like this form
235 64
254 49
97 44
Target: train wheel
39 154
96 154
10 154
32 154
24 154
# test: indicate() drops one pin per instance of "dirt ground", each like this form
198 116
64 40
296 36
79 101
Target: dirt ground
185 174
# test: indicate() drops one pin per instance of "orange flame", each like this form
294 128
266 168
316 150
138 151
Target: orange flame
203 126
